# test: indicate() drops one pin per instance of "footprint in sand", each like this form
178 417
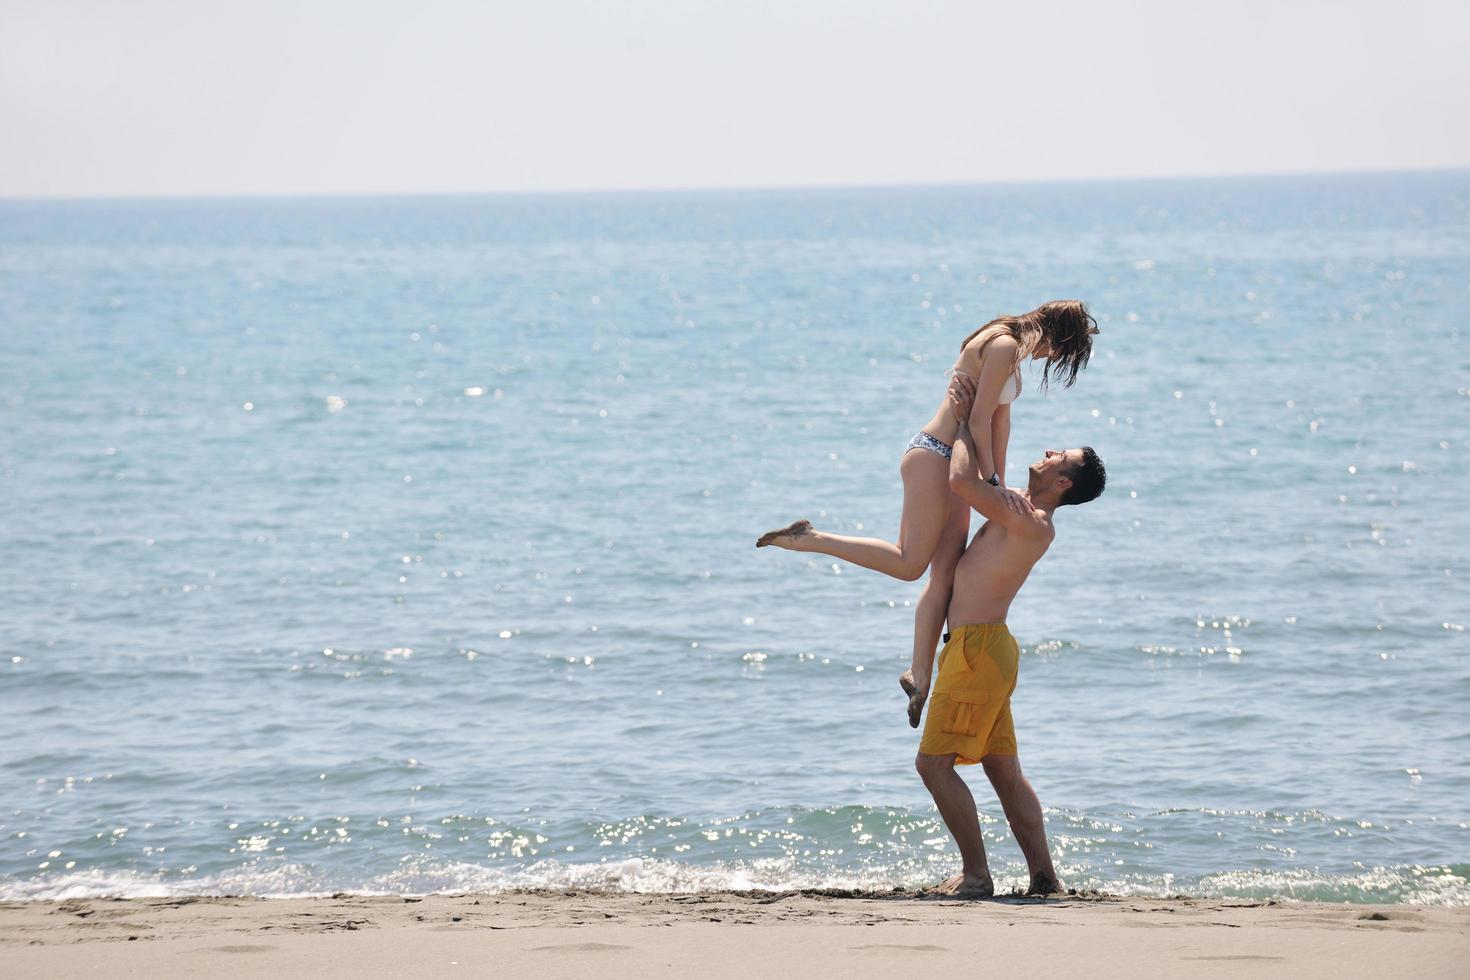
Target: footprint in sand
579 948
1239 957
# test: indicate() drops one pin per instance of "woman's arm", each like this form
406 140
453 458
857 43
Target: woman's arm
1000 437
996 503
996 368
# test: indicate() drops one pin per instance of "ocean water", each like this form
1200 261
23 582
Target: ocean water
404 545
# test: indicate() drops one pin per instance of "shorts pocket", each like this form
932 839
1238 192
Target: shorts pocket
965 712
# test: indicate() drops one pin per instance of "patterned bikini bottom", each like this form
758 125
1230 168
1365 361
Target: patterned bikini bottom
925 441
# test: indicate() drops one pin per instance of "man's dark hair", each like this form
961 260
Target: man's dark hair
1088 477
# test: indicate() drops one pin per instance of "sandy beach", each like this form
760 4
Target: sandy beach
566 934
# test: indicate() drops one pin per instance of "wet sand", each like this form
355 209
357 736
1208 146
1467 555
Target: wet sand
576 934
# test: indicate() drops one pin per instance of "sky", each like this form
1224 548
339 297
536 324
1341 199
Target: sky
194 97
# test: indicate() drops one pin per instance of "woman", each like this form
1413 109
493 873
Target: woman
936 524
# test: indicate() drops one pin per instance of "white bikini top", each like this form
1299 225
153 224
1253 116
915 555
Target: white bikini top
1012 390
1008 392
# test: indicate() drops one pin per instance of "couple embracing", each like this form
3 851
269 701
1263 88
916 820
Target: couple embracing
956 464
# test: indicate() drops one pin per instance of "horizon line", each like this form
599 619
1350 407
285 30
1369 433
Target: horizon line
729 189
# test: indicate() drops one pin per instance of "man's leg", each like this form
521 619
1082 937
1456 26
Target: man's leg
1023 813
957 807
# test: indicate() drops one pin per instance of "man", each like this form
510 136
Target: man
970 704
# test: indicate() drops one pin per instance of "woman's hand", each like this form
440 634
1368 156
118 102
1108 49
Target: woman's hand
961 396
1015 501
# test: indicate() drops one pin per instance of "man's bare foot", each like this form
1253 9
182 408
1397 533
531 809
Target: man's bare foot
789 537
917 697
963 886
1043 884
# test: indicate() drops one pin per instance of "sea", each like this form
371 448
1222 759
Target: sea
399 545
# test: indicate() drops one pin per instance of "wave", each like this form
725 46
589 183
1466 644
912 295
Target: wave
1440 885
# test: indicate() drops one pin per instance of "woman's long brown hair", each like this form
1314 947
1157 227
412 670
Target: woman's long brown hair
1065 328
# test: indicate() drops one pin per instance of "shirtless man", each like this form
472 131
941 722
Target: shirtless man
970 705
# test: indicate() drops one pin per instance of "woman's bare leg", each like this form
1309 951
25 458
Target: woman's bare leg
926 497
933 606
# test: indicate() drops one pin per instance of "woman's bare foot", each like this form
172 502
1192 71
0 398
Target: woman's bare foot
917 696
789 537
1044 884
963 886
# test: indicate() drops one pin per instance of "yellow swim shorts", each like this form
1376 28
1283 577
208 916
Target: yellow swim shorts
970 702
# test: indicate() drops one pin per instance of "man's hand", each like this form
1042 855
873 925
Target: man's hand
961 397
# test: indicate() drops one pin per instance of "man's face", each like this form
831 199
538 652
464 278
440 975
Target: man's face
1052 466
